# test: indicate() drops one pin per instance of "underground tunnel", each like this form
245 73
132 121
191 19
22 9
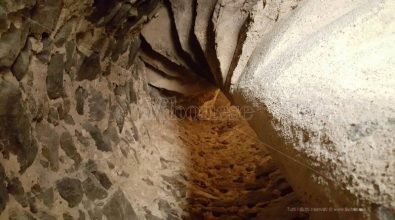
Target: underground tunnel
197 109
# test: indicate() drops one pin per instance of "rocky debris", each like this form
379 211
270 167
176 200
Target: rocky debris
160 27
70 189
45 16
90 68
68 146
119 208
11 44
15 129
55 77
80 95
49 140
22 62
102 142
93 189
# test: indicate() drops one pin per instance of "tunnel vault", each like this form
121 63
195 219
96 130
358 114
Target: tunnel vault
197 109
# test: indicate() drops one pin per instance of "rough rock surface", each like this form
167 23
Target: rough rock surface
70 190
90 128
90 68
22 62
102 143
68 146
15 132
324 109
161 27
119 208
55 76
228 18
49 140
93 190
186 83
204 12
52 87
183 18
10 45
260 21
45 16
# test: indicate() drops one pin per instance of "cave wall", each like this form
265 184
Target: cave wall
320 77
322 85
73 96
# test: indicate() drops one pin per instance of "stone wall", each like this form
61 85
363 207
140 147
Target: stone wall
73 95
74 144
